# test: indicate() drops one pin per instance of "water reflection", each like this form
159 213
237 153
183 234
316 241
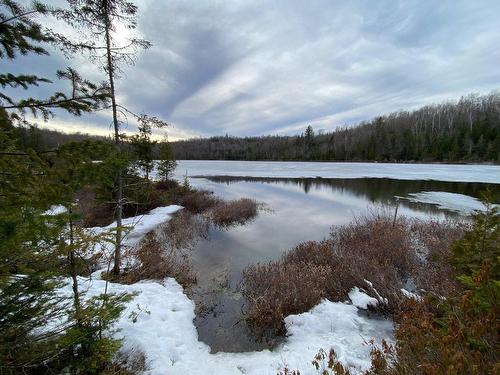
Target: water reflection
298 210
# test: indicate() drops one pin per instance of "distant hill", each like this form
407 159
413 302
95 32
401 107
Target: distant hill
467 130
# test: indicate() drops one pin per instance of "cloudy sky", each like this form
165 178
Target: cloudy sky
272 67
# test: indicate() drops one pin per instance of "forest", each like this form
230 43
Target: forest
465 131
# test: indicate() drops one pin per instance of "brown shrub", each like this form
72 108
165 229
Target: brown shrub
154 261
165 252
292 285
373 253
433 240
182 231
166 185
275 290
374 248
132 362
233 212
198 201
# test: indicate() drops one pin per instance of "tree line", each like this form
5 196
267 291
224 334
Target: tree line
465 130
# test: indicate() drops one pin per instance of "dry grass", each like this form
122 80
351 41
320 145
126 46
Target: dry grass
156 262
433 240
198 201
127 363
182 231
372 248
239 211
165 252
278 289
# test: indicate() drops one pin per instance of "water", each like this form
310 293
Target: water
295 210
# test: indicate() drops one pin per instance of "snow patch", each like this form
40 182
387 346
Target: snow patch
159 321
55 210
411 295
360 299
141 224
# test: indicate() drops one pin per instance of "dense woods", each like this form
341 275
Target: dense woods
468 130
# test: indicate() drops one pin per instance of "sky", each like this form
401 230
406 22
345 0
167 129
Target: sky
254 67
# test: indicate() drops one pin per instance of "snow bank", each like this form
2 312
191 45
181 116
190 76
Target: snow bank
159 321
141 224
360 299
460 203
439 172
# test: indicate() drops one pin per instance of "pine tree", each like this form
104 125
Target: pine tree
167 163
143 147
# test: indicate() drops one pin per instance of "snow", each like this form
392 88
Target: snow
141 224
55 210
460 203
411 295
439 172
361 300
159 322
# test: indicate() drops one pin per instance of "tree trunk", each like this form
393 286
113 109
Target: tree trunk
72 266
119 173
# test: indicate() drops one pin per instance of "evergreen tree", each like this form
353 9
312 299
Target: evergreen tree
167 163
143 147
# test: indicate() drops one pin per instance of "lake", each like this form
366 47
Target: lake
297 209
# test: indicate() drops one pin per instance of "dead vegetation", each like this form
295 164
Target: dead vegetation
132 362
373 252
224 214
165 252
155 262
219 212
198 201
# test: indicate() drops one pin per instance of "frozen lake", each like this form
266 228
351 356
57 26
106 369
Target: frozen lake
437 172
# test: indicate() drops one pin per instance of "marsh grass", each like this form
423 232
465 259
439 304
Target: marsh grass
227 213
374 252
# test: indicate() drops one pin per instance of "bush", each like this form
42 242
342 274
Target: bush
164 252
373 253
198 201
276 289
92 212
238 211
166 185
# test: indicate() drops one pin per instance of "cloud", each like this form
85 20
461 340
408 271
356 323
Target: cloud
260 67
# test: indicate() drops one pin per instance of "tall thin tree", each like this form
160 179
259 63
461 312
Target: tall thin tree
99 19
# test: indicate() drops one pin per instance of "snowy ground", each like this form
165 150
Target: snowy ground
439 172
138 226
460 203
159 322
